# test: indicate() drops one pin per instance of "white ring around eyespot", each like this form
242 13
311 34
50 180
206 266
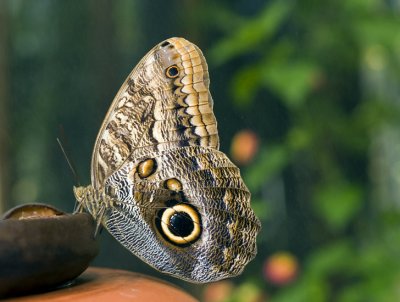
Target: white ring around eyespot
169 212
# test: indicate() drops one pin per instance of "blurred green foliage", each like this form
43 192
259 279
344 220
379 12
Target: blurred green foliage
318 82
324 64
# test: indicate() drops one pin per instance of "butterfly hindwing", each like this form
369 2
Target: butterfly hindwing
205 184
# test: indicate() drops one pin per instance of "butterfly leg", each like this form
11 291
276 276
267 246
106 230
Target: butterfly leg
78 207
99 219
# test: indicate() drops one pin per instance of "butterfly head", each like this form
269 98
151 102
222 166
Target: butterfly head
82 195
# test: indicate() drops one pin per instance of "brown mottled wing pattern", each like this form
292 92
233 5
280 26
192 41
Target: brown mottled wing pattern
212 184
158 110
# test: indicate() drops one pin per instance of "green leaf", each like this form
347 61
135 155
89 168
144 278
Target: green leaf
245 84
254 31
246 291
375 30
291 80
303 291
337 204
269 162
329 259
261 208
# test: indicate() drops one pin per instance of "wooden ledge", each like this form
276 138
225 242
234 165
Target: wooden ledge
102 284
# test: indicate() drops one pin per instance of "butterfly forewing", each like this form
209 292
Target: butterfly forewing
164 103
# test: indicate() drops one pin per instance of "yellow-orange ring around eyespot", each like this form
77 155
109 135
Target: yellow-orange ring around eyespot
174 76
169 212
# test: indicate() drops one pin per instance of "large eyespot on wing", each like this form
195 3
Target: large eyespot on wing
164 103
179 224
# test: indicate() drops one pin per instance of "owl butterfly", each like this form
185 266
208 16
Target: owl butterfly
159 184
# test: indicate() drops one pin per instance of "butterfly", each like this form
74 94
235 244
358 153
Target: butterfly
159 184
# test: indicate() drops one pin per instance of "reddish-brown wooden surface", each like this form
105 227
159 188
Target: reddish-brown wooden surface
101 284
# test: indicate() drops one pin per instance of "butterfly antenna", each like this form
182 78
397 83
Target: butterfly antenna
69 162
62 142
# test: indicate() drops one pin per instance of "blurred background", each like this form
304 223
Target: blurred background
307 96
